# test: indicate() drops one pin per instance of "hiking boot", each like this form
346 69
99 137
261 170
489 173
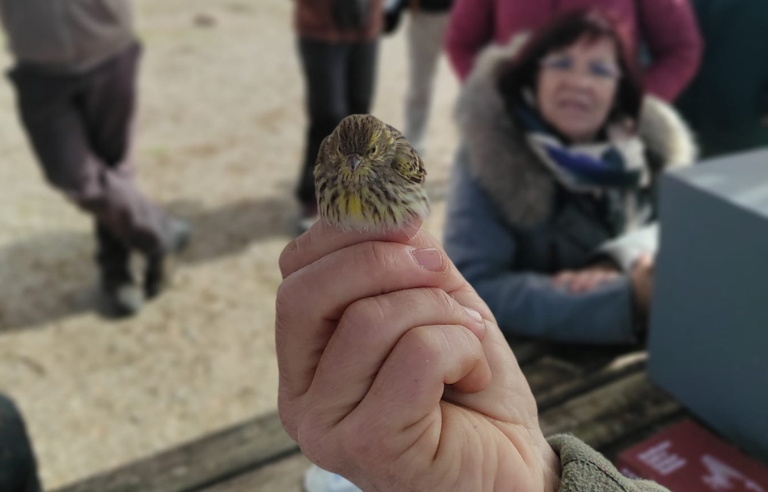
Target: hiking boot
159 267
124 298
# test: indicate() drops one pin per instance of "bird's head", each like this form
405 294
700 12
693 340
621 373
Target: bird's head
362 143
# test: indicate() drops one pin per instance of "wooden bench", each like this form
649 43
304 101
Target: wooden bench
601 395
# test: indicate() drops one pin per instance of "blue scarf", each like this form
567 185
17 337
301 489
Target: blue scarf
618 163
612 170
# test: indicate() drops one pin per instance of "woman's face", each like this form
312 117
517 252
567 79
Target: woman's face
577 87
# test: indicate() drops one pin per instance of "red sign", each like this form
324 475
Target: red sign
688 458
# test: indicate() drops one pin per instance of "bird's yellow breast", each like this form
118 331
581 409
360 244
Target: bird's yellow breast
354 206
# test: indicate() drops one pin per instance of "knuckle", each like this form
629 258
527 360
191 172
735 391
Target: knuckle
356 441
368 313
441 300
311 440
422 340
288 415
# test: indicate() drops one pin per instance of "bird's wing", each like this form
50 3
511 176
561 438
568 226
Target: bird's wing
407 162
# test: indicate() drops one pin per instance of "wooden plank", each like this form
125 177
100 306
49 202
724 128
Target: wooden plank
611 416
610 412
590 379
553 380
285 475
248 449
196 465
548 372
526 351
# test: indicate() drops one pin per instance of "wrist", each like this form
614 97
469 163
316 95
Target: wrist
552 469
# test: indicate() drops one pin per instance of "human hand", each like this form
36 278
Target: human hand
387 379
587 279
642 284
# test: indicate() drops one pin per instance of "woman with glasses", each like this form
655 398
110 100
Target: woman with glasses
666 28
552 212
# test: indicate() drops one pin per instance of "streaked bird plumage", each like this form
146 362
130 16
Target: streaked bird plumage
369 177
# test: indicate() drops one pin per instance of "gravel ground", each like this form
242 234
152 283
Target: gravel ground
219 138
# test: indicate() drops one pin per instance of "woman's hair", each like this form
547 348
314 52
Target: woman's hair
562 32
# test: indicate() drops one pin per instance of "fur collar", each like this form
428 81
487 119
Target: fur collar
517 182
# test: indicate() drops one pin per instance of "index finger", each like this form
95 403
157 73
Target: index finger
323 239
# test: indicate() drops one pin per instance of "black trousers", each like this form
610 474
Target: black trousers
339 79
79 126
18 468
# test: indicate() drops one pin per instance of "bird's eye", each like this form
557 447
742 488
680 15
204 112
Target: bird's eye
373 150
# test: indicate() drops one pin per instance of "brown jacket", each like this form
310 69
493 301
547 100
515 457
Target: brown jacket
314 19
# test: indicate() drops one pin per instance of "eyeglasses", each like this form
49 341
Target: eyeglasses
565 64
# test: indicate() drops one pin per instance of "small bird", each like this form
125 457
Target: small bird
368 177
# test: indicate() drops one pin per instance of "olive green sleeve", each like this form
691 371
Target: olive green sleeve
585 470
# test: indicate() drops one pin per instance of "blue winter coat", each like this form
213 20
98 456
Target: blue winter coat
510 226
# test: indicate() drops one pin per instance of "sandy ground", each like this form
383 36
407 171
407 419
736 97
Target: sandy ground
220 134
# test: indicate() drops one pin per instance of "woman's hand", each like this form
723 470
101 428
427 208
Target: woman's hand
394 374
642 284
588 279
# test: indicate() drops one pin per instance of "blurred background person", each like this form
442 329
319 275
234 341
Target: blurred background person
666 27
75 80
427 24
338 44
552 209
18 466
727 103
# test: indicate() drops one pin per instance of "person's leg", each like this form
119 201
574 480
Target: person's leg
58 138
426 32
107 105
117 281
323 66
52 117
18 467
361 76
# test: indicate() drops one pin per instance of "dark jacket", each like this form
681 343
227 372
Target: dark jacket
511 226
318 20
727 103
70 35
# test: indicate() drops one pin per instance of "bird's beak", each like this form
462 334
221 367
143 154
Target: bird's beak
353 161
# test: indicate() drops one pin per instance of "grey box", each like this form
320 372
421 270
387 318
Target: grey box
708 339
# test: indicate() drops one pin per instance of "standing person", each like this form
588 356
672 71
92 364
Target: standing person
727 102
338 42
553 213
427 25
75 78
667 27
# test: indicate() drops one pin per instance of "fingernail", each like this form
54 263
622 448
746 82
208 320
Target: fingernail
474 314
429 259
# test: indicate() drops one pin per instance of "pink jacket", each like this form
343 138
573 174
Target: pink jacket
667 26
